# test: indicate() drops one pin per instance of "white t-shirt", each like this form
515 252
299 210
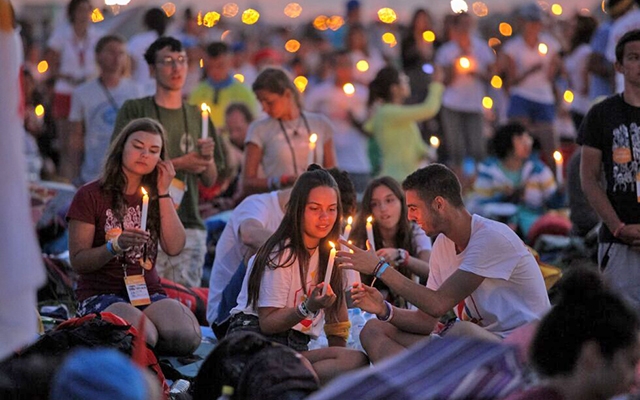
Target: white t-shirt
466 91
281 288
628 22
576 66
91 105
351 145
230 250
137 46
276 152
513 291
536 86
77 57
421 241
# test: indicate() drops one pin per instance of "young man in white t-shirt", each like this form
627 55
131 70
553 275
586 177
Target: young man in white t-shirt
478 267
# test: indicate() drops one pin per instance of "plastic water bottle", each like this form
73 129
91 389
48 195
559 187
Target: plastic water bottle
178 387
357 323
227 393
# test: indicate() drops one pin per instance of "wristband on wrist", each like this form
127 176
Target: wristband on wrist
111 249
377 267
164 196
389 313
382 269
304 311
618 230
115 246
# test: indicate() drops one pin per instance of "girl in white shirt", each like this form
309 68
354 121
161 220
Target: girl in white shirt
281 295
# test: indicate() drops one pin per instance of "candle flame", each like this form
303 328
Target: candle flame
349 89
313 138
434 141
144 192
332 244
465 63
369 219
349 220
205 108
557 156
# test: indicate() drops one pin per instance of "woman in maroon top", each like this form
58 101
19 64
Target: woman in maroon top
113 256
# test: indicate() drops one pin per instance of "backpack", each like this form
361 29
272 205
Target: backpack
194 298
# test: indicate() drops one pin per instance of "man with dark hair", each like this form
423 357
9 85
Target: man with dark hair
480 269
628 22
196 159
611 142
220 88
94 106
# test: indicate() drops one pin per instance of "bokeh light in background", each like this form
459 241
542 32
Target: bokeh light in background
169 9
292 46
568 96
389 38
210 19
387 15
459 6
429 36
230 10
493 42
39 110
250 16
239 77
301 83
43 66
320 23
96 15
335 22
556 9
496 82
349 89
505 29
543 48
362 66
487 102
480 9
293 10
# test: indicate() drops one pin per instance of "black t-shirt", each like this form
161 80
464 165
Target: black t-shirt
613 126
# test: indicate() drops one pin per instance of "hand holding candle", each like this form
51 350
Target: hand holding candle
205 120
311 159
145 210
327 275
558 157
370 237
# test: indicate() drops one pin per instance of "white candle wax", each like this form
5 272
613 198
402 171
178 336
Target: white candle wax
145 210
205 120
370 237
327 275
347 233
311 158
558 157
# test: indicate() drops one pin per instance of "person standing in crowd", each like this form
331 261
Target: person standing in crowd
625 23
394 124
155 23
400 241
220 88
416 54
112 251
346 109
530 61
284 294
94 106
610 142
195 159
575 65
479 268
587 346
281 142
601 73
359 49
72 59
468 63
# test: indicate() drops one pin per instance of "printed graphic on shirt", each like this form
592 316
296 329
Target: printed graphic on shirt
625 153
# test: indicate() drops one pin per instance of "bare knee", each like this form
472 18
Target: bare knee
178 329
132 315
373 331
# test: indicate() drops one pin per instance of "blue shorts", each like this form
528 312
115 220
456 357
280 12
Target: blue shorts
100 302
519 107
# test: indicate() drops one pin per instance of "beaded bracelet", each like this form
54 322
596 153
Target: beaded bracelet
378 265
389 315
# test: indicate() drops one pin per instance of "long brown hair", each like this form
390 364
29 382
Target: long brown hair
113 180
289 236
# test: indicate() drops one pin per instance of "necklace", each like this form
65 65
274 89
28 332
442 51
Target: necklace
297 125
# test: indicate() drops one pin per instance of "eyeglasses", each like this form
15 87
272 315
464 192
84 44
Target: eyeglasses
168 61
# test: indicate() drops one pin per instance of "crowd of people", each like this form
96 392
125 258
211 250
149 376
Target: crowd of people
337 194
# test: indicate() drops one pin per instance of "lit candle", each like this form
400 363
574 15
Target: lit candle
313 138
543 49
347 232
434 142
205 120
464 62
327 275
145 210
558 157
370 237
433 149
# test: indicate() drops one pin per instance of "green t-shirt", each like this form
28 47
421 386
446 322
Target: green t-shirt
178 144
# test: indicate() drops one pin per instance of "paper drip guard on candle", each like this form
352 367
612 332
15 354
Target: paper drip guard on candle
327 275
145 209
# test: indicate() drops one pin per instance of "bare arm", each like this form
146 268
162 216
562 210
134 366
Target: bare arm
172 233
251 182
343 316
85 258
253 234
329 154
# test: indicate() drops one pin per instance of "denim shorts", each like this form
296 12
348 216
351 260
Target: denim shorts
296 340
536 112
100 302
